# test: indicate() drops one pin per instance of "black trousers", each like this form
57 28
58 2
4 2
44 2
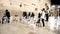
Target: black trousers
38 23
47 17
8 19
2 20
43 22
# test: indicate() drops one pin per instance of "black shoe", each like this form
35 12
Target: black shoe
8 21
43 26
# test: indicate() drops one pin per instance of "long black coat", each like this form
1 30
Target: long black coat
8 14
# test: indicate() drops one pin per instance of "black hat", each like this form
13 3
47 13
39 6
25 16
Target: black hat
43 9
6 10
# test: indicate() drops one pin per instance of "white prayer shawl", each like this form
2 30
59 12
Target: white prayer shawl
52 22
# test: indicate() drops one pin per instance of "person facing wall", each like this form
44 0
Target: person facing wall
8 15
25 14
32 15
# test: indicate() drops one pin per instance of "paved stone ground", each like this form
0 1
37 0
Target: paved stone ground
19 28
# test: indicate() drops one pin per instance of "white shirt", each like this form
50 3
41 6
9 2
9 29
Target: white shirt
43 15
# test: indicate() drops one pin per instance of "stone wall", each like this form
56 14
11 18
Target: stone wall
18 6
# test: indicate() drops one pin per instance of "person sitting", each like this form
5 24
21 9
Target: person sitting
4 19
24 14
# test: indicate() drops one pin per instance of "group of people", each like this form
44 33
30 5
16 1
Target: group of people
31 17
52 19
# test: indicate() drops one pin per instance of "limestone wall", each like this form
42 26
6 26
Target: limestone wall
18 6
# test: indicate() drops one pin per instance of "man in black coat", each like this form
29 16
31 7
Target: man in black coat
8 15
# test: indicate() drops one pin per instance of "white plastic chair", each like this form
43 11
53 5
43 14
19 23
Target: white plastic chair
5 19
32 23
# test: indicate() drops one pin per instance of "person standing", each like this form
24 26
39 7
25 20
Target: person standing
29 14
38 21
47 12
8 15
32 18
43 16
